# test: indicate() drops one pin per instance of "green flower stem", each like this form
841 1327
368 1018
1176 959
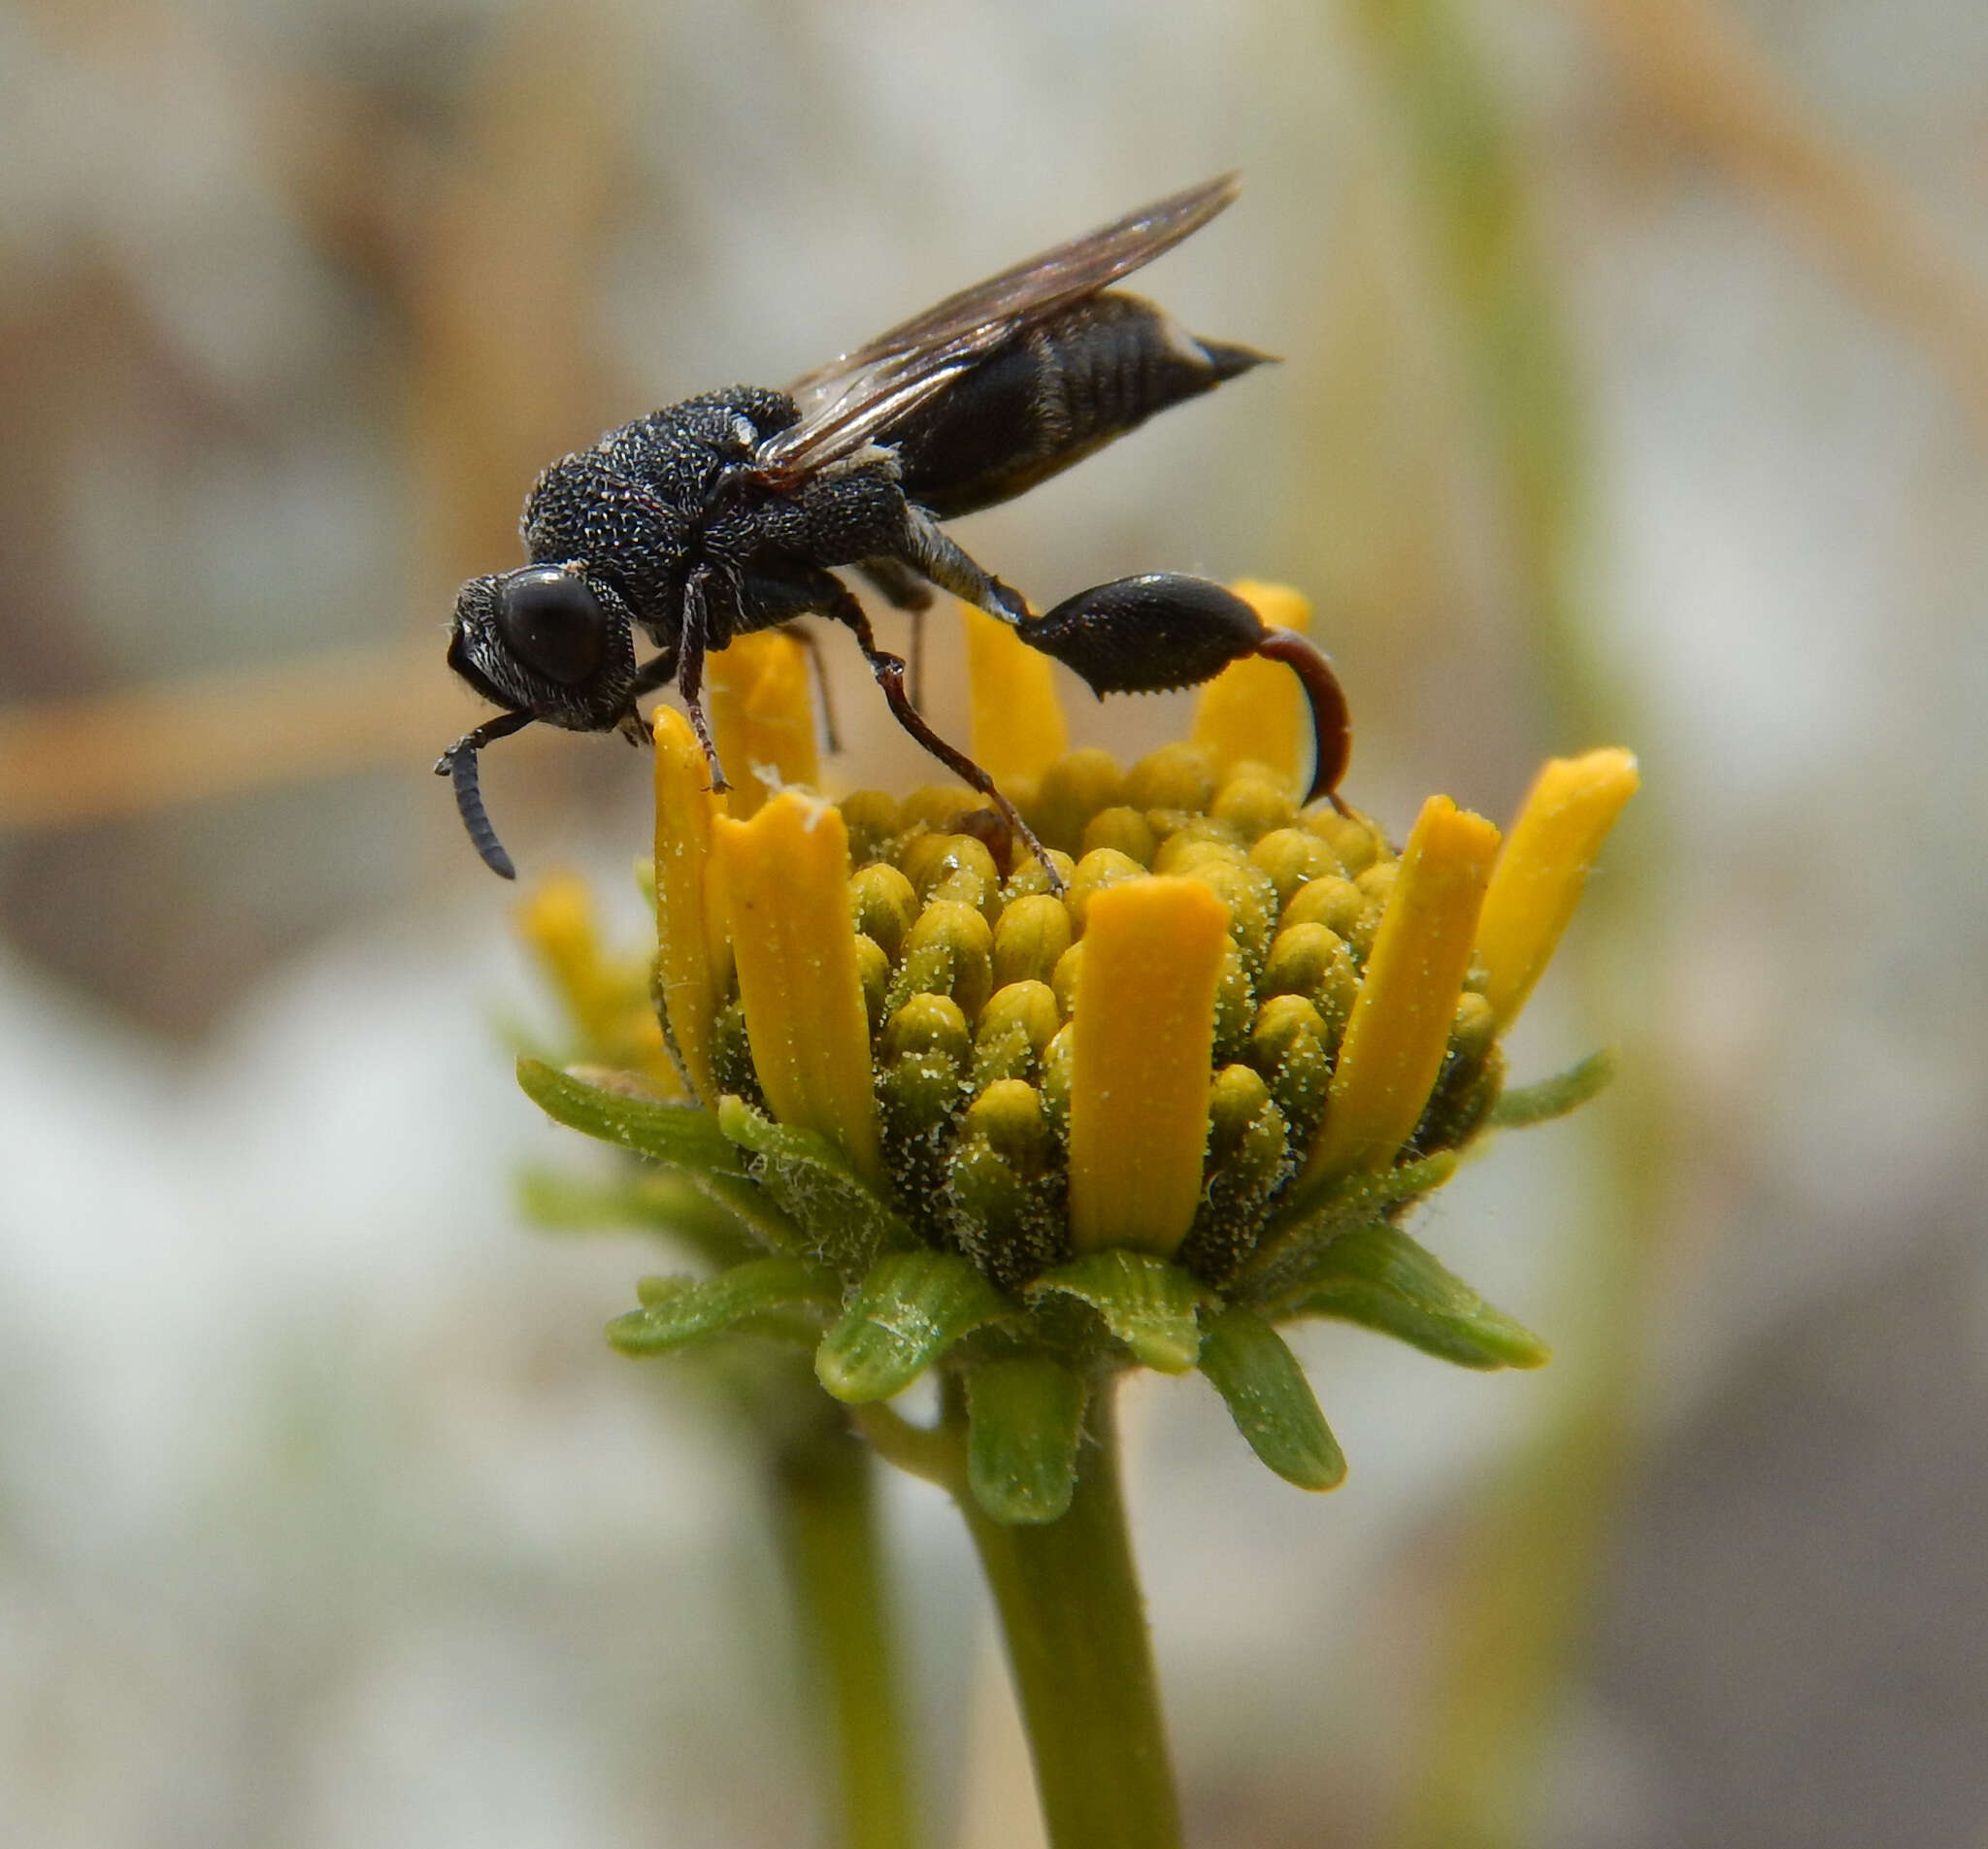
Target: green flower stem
826 1497
937 1454
1075 1622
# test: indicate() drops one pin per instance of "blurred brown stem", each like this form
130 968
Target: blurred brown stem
1712 88
826 1495
1528 1549
71 763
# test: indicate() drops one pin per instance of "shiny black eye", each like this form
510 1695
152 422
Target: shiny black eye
553 623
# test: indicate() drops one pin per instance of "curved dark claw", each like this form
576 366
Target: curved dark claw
459 765
1149 634
1332 724
994 832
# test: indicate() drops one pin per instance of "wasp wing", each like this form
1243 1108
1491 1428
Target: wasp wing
847 401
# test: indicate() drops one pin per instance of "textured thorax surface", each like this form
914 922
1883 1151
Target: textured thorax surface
656 498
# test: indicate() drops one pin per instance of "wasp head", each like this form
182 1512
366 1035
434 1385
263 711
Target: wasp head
551 640
545 641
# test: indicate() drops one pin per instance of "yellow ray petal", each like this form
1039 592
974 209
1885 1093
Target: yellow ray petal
1143 1026
1018 727
762 716
694 963
556 920
1401 1020
785 879
1540 875
605 1001
1255 710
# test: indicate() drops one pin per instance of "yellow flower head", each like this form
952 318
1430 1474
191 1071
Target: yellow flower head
1136 1120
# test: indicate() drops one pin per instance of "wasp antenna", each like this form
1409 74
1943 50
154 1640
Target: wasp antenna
469 799
459 765
1332 725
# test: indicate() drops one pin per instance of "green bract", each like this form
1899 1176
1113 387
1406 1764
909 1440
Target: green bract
881 1307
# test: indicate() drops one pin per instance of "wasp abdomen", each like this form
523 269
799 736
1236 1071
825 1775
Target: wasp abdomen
1051 397
1117 359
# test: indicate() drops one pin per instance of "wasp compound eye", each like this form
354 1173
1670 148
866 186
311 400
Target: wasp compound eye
553 623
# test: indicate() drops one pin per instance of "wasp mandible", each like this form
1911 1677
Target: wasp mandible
732 512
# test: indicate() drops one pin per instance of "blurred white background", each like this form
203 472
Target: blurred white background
1636 390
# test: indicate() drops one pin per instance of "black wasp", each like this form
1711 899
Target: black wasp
728 512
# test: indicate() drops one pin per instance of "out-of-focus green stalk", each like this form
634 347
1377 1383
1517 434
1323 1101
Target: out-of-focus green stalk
826 1495
1470 191
1074 1621
1530 1555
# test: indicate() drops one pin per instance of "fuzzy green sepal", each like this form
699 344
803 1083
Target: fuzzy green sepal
910 1308
1248 1364
1300 1230
679 1135
639 1199
1554 1097
1147 1302
759 1296
682 1137
1024 1417
1380 1279
847 1223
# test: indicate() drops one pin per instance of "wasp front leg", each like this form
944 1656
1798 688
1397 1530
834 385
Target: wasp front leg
1151 633
658 671
692 644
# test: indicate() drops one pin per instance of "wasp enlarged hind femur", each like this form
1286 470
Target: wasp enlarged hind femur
969 1121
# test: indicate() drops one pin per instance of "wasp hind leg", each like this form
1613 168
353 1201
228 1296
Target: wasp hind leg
1148 634
896 585
810 641
836 600
932 554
